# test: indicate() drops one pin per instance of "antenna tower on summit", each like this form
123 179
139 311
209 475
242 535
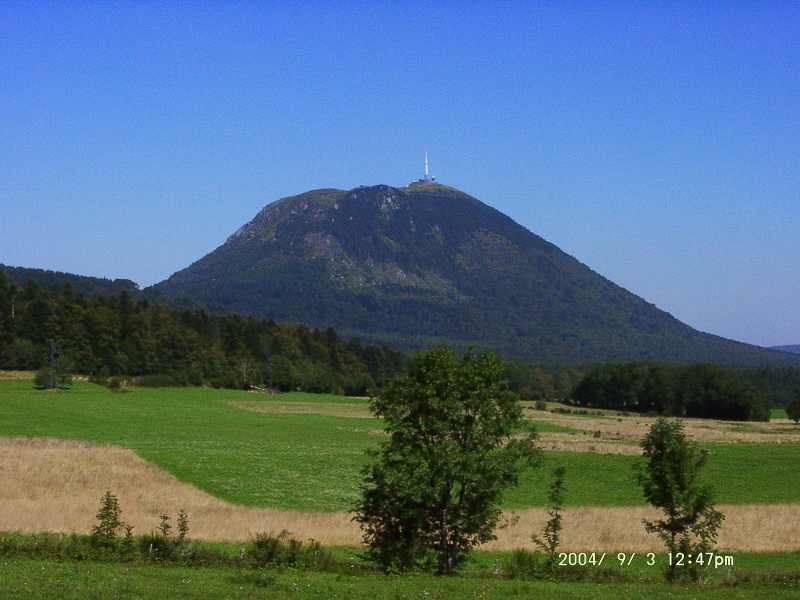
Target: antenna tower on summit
427 176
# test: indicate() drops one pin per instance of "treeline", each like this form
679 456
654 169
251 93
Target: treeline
55 280
700 390
158 345
107 333
781 384
543 382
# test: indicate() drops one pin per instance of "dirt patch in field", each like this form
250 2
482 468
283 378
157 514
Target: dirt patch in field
353 411
570 442
55 485
17 375
633 428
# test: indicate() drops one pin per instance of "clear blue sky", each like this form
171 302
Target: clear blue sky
659 143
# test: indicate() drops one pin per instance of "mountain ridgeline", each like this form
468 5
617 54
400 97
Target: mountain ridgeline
794 348
427 263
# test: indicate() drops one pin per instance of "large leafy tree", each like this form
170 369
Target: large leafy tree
671 480
457 440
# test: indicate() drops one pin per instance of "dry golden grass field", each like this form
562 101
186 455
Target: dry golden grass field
55 485
16 375
630 428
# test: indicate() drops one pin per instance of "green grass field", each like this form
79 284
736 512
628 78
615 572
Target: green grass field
778 413
312 462
42 579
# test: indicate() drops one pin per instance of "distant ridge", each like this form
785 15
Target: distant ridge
80 283
795 349
427 263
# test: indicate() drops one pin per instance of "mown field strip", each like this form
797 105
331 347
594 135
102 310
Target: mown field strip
55 485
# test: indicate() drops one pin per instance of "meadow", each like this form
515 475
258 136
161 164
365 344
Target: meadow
40 579
242 462
310 461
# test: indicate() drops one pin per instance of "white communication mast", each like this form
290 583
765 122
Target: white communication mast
427 176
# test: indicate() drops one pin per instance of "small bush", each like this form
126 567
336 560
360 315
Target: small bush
41 381
317 557
161 545
164 527
77 548
127 546
522 564
270 549
109 522
200 555
551 537
183 527
61 378
101 377
157 547
541 405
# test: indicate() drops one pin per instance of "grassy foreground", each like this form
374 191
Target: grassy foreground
312 461
60 566
42 579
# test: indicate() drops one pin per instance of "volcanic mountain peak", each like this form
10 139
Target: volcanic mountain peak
428 263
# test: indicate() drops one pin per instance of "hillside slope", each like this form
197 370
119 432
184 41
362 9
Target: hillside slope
427 263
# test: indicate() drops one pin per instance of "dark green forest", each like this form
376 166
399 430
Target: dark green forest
108 327
699 390
106 331
127 334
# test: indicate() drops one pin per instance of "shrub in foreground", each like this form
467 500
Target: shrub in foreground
269 549
109 522
670 480
435 486
551 536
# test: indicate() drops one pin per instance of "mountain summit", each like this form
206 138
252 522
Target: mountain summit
427 263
